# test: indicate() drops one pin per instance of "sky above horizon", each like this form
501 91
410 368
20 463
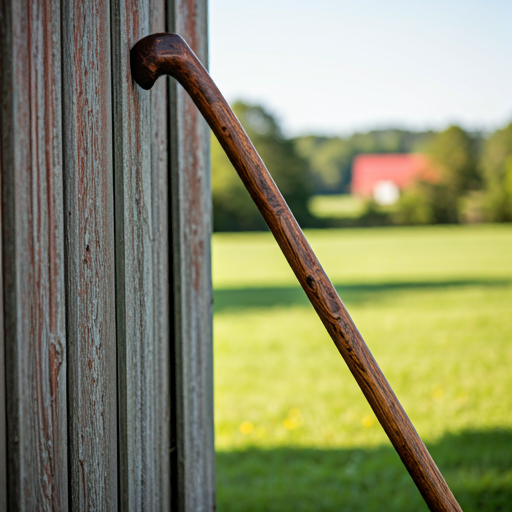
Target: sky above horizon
335 67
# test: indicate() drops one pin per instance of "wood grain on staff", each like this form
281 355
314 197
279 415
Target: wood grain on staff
161 54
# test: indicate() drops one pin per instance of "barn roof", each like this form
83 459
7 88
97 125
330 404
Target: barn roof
401 169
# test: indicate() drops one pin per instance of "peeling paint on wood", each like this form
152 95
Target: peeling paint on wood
191 233
142 304
90 277
33 255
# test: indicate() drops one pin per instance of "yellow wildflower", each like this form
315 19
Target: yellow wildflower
293 421
368 421
246 427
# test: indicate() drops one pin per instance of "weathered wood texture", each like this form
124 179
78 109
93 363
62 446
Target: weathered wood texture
94 355
169 54
33 246
142 303
90 269
160 156
3 434
193 446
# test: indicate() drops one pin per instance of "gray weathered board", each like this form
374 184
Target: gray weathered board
193 300
33 256
107 303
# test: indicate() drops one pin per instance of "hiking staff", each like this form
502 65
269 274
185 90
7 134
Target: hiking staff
169 54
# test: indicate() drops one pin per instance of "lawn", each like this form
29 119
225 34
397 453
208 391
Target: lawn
293 431
336 206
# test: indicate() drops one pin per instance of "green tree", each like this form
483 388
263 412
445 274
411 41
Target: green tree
233 208
497 171
329 161
453 155
414 206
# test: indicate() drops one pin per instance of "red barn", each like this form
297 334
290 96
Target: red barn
383 176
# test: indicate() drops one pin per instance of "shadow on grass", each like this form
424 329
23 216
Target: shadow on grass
248 298
476 464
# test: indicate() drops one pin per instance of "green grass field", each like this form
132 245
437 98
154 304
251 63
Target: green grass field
293 431
336 206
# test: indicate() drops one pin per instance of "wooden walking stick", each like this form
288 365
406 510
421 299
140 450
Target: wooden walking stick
169 54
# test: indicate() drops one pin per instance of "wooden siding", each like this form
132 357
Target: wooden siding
90 279
107 301
3 434
160 149
33 245
140 157
193 461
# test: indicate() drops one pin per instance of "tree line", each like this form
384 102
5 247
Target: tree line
473 184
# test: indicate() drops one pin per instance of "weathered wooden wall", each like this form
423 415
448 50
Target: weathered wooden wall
106 223
33 256
90 276
193 461
141 168
3 437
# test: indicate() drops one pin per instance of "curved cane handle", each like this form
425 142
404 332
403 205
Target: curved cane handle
169 54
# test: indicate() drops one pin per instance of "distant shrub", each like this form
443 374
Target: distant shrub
414 208
497 171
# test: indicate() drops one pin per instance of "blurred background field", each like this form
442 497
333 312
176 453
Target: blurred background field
293 431
336 206
387 126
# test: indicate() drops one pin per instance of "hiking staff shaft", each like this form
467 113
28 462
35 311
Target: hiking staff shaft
169 54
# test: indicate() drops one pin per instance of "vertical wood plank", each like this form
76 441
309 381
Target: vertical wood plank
140 169
90 270
134 293
4 41
161 287
3 436
33 260
191 232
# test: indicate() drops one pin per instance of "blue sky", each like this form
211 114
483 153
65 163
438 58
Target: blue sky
334 67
